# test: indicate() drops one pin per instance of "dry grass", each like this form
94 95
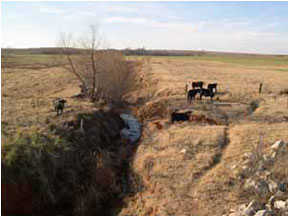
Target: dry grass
49 151
172 162
186 167
28 94
27 97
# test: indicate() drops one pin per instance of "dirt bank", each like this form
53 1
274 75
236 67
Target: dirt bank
75 168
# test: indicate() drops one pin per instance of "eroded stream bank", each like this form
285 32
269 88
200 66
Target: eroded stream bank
77 168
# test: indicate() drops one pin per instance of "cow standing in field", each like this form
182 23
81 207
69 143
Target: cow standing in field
213 86
198 84
206 93
59 105
192 94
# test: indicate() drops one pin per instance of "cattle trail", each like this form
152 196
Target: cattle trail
224 142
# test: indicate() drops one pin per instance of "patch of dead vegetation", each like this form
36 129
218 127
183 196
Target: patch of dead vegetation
172 161
154 109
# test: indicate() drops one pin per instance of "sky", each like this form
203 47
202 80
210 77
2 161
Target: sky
248 27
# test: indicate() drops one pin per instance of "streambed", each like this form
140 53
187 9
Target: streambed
132 129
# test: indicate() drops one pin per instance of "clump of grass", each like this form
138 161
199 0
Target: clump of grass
152 110
4 128
280 167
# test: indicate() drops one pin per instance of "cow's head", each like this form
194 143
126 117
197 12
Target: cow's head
62 101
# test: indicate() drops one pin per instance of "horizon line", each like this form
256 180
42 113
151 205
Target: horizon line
203 50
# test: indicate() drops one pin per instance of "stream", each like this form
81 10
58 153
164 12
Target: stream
132 129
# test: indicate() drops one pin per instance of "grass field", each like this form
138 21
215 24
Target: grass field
245 60
30 83
185 167
31 61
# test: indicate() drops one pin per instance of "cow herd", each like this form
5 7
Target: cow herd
197 88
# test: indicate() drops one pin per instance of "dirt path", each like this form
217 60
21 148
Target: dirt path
218 158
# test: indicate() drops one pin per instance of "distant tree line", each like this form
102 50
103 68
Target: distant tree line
143 51
128 51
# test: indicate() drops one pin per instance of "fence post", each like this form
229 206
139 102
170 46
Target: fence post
81 125
260 88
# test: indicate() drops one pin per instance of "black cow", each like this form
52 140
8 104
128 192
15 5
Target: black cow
175 116
206 93
213 86
192 94
198 84
59 105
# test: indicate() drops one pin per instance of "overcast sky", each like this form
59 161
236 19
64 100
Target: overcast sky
252 27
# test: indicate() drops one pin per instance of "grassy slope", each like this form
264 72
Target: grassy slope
178 183
54 157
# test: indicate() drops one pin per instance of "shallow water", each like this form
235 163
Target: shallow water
132 130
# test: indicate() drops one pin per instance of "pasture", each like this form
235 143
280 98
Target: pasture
29 85
185 167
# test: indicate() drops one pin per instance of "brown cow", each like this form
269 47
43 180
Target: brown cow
198 84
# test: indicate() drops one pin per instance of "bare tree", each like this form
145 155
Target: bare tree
102 73
66 43
91 43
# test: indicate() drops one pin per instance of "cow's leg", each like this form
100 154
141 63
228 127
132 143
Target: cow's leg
212 95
